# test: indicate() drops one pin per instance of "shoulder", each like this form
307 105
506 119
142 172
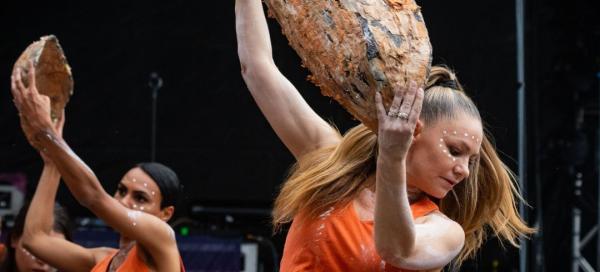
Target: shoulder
451 232
101 253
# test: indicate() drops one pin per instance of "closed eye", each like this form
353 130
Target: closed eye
454 151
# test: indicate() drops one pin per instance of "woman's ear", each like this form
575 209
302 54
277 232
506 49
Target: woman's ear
418 129
166 213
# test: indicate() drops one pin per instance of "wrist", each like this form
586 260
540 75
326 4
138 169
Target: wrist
385 156
45 139
50 168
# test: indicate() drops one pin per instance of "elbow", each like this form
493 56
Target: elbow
398 253
252 70
29 239
395 255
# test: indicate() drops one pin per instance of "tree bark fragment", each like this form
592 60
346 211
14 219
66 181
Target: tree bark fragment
354 48
52 72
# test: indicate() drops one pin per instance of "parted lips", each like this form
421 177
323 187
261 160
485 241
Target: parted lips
52 72
356 48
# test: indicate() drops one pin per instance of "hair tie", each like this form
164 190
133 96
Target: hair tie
448 83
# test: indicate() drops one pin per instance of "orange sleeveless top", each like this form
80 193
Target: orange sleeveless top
132 263
338 241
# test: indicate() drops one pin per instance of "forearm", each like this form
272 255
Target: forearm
395 233
40 216
254 42
78 177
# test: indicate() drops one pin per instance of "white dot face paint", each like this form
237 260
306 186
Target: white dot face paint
454 132
145 184
133 180
442 147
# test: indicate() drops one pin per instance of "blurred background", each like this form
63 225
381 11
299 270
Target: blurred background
209 130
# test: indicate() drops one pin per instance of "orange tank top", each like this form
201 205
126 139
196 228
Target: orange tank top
132 263
338 241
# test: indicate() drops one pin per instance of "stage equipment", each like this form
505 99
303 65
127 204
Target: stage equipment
155 83
521 122
12 193
258 250
578 157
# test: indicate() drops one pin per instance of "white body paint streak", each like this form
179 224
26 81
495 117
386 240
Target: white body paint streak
133 216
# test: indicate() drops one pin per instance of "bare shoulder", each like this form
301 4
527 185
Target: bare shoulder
445 228
100 253
437 218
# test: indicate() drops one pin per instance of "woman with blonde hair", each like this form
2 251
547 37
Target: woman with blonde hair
418 194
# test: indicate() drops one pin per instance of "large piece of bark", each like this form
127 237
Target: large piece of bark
52 72
355 48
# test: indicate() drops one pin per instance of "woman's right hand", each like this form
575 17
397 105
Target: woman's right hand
34 108
397 126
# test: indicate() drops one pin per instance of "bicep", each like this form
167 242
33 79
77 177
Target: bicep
62 254
300 128
438 241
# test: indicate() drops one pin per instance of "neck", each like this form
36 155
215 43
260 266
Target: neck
414 194
124 242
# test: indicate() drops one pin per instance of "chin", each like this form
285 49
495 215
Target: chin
438 194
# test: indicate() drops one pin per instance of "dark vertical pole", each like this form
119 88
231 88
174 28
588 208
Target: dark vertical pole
522 141
155 83
598 171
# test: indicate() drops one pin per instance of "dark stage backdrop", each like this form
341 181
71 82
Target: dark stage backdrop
209 129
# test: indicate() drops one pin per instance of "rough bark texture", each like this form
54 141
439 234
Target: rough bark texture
52 72
355 48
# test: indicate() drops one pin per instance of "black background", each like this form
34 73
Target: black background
213 135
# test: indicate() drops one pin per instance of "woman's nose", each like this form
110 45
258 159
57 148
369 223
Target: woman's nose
461 169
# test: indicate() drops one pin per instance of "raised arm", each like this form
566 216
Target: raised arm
296 124
429 242
37 234
152 234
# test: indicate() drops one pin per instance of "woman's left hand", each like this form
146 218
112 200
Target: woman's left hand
34 108
397 126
